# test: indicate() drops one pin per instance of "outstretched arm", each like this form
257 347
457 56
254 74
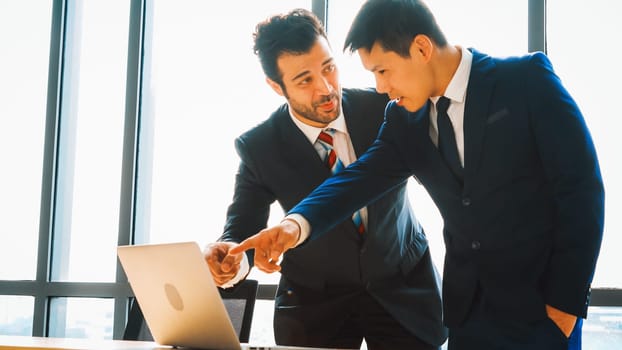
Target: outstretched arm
377 171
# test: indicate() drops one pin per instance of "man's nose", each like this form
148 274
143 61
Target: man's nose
323 86
381 86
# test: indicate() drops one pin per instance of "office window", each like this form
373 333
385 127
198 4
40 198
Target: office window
16 315
494 27
81 318
464 23
262 330
582 45
201 87
91 134
23 84
602 330
204 86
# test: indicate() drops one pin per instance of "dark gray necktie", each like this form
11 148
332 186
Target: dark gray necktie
447 139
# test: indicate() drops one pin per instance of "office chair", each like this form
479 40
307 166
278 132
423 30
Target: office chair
239 302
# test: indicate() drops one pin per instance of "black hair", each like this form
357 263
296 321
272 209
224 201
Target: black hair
393 24
294 32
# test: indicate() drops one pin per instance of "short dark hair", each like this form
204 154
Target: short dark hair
294 32
393 24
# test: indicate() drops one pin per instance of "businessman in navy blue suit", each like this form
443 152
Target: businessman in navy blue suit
379 285
516 180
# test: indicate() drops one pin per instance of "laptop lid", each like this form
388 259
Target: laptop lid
177 295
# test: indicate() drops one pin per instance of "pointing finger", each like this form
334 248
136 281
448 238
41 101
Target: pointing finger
243 246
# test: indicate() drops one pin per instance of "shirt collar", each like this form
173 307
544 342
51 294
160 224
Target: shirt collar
312 132
456 90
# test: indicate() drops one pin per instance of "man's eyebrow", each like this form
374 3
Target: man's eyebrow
374 68
301 74
327 61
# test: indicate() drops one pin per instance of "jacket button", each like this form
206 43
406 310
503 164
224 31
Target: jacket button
475 245
466 201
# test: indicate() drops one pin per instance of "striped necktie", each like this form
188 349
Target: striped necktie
324 145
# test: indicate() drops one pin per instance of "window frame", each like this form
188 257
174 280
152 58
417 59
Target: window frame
139 31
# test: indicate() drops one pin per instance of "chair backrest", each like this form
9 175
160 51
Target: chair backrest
239 302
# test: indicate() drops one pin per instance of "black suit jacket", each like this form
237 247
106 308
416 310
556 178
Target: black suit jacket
525 229
279 163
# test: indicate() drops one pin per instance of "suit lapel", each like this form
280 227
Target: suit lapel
479 94
298 152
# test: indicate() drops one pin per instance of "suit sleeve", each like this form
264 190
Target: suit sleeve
249 211
571 166
380 169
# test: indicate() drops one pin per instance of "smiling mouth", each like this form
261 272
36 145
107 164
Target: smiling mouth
328 105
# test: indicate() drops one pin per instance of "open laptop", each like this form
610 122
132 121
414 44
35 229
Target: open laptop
177 295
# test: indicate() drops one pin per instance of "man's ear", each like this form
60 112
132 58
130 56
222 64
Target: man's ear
275 86
422 46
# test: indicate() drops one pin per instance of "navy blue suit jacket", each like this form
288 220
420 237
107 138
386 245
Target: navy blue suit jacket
278 163
526 226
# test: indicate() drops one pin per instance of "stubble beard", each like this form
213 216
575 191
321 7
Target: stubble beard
313 113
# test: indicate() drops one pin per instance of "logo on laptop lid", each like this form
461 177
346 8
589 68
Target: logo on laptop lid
173 297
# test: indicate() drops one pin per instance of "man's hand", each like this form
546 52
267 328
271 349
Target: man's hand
223 265
270 244
564 321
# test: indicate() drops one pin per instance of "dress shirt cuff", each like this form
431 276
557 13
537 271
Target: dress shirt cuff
242 272
305 227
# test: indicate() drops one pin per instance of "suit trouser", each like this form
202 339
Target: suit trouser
479 332
341 320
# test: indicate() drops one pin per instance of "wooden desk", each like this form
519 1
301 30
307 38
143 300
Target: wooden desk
42 343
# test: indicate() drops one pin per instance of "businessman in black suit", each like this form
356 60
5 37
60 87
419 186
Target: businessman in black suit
376 281
505 154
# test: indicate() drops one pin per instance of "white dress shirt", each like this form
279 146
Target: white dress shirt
456 93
